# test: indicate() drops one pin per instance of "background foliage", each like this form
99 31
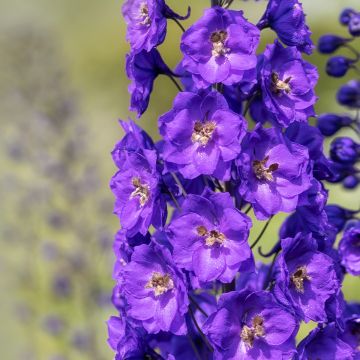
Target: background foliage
62 88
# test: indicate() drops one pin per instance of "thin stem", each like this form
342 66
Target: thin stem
174 199
218 185
261 233
229 4
193 346
268 276
355 129
178 182
248 209
247 106
351 48
193 301
203 337
179 24
175 82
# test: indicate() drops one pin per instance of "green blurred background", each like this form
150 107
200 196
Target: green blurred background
62 89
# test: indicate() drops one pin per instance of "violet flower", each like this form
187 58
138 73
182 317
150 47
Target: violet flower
349 248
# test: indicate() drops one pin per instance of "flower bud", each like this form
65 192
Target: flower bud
349 94
338 216
354 25
344 150
329 43
346 15
351 182
338 66
329 124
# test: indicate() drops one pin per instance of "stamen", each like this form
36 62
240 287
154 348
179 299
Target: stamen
141 190
298 278
260 170
211 237
248 334
280 85
160 283
203 132
144 14
218 39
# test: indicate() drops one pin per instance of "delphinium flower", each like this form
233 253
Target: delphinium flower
209 237
251 325
287 19
305 277
186 285
273 172
287 85
219 47
147 20
201 135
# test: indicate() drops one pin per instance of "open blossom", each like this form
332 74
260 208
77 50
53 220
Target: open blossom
201 135
287 19
305 277
249 326
349 248
219 47
272 171
209 237
146 20
287 85
136 187
324 343
155 290
142 69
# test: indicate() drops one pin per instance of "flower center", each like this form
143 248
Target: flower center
298 278
160 283
261 171
211 237
218 39
144 14
203 132
141 190
248 334
280 85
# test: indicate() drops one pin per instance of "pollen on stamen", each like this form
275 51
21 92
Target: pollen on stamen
160 283
203 132
262 172
298 278
249 334
144 14
212 237
279 85
218 39
141 190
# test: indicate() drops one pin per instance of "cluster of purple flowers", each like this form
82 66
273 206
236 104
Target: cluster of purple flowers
187 286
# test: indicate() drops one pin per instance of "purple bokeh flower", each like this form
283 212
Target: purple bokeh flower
273 172
287 85
305 277
136 188
155 290
349 248
142 69
251 326
201 135
287 19
219 47
209 237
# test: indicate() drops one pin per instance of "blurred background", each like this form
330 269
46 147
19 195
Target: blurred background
62 89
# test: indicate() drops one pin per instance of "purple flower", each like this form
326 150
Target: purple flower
349 94
349 248
142 69
254 281
146 20
219 47
209 237
324 343
329 124
305 277
287 85
287 19
344 150
125 340
251 326
155 290
273 172
136 188
202 136
352 328
338 216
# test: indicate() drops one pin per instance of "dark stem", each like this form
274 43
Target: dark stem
193 301
174 199
179 24
218 185
229 4
248 209
269 274
228 287
175 82
178 182
203 337
193 346
261 233
247 106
